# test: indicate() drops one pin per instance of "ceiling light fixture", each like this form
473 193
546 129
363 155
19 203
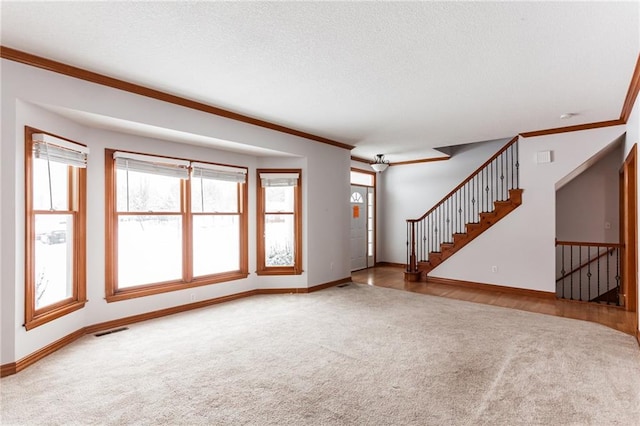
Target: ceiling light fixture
380 164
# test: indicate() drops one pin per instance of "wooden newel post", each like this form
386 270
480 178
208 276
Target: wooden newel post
413 266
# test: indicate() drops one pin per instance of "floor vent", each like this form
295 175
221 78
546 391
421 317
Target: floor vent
344 285
115 330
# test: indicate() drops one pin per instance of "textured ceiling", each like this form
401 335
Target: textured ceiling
389 77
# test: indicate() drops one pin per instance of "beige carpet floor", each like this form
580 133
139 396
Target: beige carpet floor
352 355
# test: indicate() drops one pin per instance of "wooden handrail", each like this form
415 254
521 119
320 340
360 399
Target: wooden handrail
585 244
604 253
464 182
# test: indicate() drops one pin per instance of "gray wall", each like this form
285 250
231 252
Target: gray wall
591 200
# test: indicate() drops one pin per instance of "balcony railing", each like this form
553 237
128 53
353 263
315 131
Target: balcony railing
588 272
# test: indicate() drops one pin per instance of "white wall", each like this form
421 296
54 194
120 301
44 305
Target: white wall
7 215
325 195
591 200
522 245
408 191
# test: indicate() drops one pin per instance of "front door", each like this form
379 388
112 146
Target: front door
358 204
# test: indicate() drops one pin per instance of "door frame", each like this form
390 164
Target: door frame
364 212
629 231
375 209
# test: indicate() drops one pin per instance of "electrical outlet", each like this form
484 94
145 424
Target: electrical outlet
607 225
331 266
494 269
192 296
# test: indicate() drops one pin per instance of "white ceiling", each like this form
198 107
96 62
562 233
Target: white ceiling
389 77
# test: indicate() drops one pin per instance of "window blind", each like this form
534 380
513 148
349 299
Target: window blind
279 179
218 172
50 148
153 165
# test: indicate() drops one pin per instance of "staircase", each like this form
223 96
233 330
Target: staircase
476 204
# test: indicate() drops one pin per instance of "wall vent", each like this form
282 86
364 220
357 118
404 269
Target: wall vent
115 330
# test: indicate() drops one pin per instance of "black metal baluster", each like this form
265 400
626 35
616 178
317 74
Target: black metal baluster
456 206
480 191
571 269
446 220
441 231
473 199
466 202
589 272
562 269
428 234
486 191
425 237
580 272
494 179
511 167
477 198
517 165
427 219
449 220
453 216
490 186
460 198
417 241
420 236
503 194
425 232
617 277
431 234
432 226
599 257
437 241
498 174
608 273
435 229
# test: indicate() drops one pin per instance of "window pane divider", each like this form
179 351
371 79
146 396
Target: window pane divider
149 213
54 212
216 214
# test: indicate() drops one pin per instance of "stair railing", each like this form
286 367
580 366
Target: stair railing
588 272
476 194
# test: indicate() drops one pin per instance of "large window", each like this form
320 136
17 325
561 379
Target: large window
55 191
279 222
172 224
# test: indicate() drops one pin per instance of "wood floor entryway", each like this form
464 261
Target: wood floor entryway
393 277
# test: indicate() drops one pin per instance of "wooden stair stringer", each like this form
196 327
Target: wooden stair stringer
474 230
